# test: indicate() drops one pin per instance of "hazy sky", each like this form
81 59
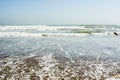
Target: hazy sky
59 11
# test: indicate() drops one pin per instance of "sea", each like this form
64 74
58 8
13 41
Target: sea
95 49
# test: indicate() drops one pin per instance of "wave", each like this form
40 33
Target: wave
42 30
23 34
39 27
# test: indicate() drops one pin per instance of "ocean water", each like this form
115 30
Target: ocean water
42 30
77 52
96 40
103 46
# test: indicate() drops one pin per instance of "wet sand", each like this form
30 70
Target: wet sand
58 67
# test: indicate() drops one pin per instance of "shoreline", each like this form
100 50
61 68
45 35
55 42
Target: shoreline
56 67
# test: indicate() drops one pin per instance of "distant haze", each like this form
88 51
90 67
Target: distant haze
59 11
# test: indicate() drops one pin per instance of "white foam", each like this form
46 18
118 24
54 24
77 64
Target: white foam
23 31
38 27
112 79
24 34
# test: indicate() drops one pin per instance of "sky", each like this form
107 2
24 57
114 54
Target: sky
59 11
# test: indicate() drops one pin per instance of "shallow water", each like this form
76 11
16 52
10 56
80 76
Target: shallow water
102 46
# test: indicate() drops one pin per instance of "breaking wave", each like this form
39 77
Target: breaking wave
40 31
